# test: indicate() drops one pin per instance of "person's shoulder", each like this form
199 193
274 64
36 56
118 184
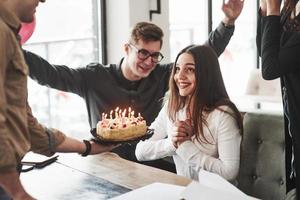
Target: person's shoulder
98 70
4 29
3 26
162 71
223 110
94 66
167 67
2 23
7 38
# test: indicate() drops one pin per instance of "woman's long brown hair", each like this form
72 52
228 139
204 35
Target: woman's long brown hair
290 5
209 94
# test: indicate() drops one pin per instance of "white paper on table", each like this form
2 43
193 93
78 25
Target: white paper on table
212 186
157 191
215 181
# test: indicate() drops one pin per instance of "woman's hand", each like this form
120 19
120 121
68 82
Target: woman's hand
183 131
232 10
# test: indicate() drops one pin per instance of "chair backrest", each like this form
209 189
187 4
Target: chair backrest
262 163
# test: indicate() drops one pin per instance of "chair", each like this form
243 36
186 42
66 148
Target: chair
262 163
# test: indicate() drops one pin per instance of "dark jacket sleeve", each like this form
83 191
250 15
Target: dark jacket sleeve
278 60
219 38
59 77
258 34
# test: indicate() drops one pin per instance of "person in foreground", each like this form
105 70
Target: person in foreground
19 130
278 42
198 125
139 81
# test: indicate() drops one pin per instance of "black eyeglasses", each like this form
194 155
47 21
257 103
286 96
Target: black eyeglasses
143 54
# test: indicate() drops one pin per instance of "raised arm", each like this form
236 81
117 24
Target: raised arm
232 10
277 60
220 37
55 76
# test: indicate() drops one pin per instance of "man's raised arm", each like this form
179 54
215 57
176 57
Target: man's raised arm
220 37
58 77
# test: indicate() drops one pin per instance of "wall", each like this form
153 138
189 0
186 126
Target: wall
123 14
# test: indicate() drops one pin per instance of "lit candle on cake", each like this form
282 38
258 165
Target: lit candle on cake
124 117
116 112
124 113
129 112
120 114
110 114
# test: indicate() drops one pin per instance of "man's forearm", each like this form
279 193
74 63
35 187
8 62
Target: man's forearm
71 145
59 77
228 22
75 146
219 38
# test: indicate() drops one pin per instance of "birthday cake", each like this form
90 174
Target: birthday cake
121 127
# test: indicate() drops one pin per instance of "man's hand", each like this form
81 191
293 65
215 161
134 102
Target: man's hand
183 131
73 145
98 148
232 10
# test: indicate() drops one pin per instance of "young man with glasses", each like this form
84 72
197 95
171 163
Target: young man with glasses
138 81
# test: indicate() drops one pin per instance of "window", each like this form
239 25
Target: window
240 56
66 34
189 25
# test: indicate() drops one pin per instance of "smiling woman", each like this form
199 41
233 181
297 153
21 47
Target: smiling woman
199 126
185 75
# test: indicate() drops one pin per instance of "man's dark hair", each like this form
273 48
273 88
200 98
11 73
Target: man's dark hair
147 32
